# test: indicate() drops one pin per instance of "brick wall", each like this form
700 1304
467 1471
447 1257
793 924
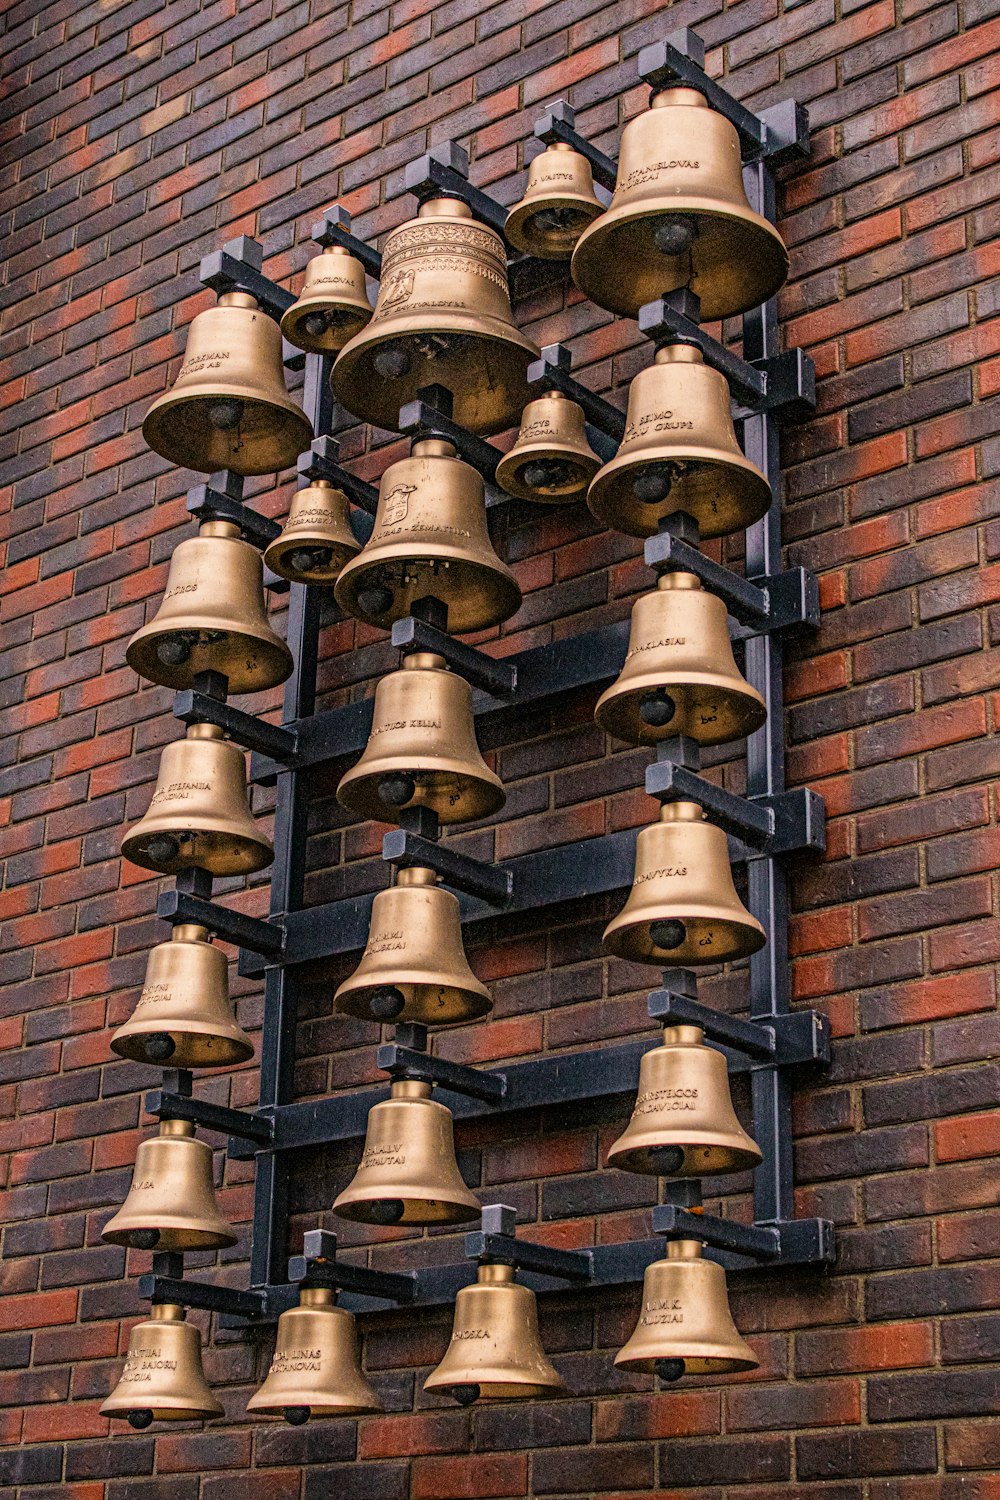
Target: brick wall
139 136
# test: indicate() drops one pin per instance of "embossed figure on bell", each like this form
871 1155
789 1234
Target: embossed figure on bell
552 462
443 317
228 407
183 1017
317 539
685 1326
559 202
680 217
316 1369
683 908
162 1379
332 306
496 1352
679 453
171 1203
680 675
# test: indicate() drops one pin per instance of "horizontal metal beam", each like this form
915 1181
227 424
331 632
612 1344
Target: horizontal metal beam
232 926
220 499
783 824
493 675
444 171
491 883
218 1299
164 1104
559 124
421 419
407 1062
334 228
272 740
321 463
495 1243
237 268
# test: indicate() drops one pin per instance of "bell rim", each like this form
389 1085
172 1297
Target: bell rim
140 654
508 480
501 583
276 552
624 940
332 340
261 849
417 1007
527 206
617 713
178 1234
711 1364
362 793
170 401
164 1408
347 1206
237 1047
742 1157
627 514
269 1408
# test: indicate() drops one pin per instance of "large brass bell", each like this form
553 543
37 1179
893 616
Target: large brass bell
680 217
680 676
316 540
183 1015
683 1123
552 461
228 407
496 1351
408 1173
199 816
422 750
430 540
559 202
679 453
414 966
162 1379
212 618
442 317
316 1370
171 1203
685 1327
683 907
332 306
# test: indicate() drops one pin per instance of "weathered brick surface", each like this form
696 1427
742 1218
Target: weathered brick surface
139 136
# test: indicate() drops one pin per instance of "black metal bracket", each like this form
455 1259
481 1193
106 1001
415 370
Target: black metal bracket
237 268
319 1265
443 172
414 1061
334 228
265 938
199 1294
783 1242
494 1244
321 463
192 707
405 849
780 1041
424 418
499 678
781 824
221 499
168 1105
558 123
605 423
764 604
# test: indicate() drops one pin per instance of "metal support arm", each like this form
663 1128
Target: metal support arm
318 1264
199 1294
762 604
800 1036
423 419
499 678
757 1240
235 927
246 729
321 463
492 883
444 172
165 1104
406 1062
778 824
494 1244
237 268
559 124
334 228
221 499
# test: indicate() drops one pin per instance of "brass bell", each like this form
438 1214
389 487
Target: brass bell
317 539
680 217
162 1379
496 1350
414 966
408 1173
316 1369
442 317
679 453
680 676
683 907
212 618
228 407
685 1327
171 1203
559 202
184 1016
430 540
199 817
683 1123
552 461
422 751
332 306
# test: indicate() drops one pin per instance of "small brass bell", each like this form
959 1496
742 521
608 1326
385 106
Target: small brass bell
679 453
162 1379
552 461
683 907
683 1123
228 407
680 676
332 306
496 1351
680 217
199 817
442 317
316 540
414 966
184 1016
422 751
171 1203
316 1369
559 202
430 540
212 618
408 1173
685 1327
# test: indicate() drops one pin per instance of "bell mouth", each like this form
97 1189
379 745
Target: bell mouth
706 708
550 227
705 940
430 1004
268 437
322 327
477 595
173 658
416 1210
190 1048
172 1235
723 495
690 1159
217 850
546 475
456 798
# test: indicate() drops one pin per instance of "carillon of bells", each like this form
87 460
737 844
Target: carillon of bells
228 407
199 816
408 1173
332 306
683 1123
679 453
162 1379
685 1326
683 908
559 203
183 1016
443 317
422 750
171 1204
496 1352
317 539
212 618
552 462
414 966
316 1369
680 675
430 540
680 217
